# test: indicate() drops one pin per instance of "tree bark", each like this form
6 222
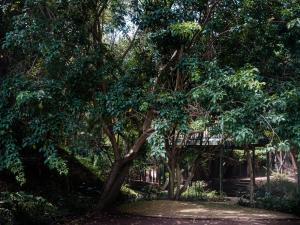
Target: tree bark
113 184
298 168
221 172
268 155
171 168
190 177
253 166
166 184
178 181
121 166
281 162
293 161
186 184
252 181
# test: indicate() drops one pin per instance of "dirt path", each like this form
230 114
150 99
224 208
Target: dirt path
200 210
162 212
137 220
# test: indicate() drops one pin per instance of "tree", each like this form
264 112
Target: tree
70 70
129 69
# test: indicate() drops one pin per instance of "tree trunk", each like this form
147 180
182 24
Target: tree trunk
113 184
186 184
178 186
293 161
178 177
251 186
253 167
298 168
190 177
268 171
122 165
221 172
281 162
171 178
3 67
166 184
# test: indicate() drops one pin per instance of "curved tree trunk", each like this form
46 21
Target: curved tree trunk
185 185
113 184
121 166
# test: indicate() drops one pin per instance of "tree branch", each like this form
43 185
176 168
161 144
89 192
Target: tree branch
209 12
108 131
131 44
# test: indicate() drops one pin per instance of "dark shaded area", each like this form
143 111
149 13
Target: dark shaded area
73 194
3 67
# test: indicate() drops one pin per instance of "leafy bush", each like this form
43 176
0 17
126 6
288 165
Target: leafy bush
282 196
6 216
129 194
280 186
86 161
26 209
274 203
213 196
152 192
280 204
199 191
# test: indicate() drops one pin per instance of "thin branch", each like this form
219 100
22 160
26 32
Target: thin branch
203 24
131 44
270 126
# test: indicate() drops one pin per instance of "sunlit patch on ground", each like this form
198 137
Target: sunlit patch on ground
199 210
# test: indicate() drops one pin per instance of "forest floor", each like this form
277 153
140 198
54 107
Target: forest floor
184 213
112 219
199 210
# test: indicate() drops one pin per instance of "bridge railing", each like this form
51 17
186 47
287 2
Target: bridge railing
199 138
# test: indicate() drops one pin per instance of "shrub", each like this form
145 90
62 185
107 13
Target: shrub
282 196
151 192
213 196
199 191
6 216
280 186
280 204
26 209
129 194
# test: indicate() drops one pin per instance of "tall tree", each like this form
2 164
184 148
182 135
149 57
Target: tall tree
131 67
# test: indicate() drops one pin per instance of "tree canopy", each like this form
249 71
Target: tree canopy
131 75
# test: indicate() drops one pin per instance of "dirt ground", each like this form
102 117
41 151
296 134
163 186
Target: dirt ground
112 219
200 210
163 212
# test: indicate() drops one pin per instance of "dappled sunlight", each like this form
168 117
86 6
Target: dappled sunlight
211 210
198 210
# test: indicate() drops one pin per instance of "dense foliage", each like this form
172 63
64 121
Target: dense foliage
26 208
103 77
